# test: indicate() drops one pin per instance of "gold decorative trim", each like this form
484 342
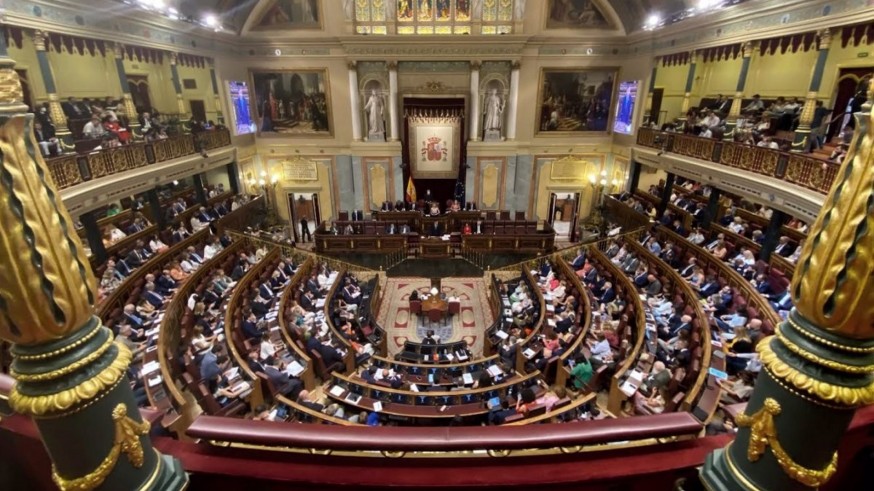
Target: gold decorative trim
64 400
763 434
39 377
834 365
832 344
61 351
393 455
127 441
848 396
498 453
738 475
804 396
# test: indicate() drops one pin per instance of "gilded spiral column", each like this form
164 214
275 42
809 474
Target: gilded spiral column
70 375
819 366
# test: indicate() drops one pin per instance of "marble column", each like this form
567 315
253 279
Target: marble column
354 101
513 103
690 80
394 123
177 86
474 101
803 132
736 103
56 112
129 109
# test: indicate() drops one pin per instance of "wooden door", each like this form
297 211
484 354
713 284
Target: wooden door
198 110
656 106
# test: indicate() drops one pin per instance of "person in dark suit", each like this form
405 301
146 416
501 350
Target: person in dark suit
250 327
122 269
580 260
784 248
429 338
690 268
134 258
782 301
609 293
281 381
709 287
305 234
265 292
436 229
305 398
153 297
164 283
306 301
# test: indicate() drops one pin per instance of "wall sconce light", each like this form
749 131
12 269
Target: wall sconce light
274 179
592 179
261 182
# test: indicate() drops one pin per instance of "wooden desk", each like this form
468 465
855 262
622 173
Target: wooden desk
434 302
435 247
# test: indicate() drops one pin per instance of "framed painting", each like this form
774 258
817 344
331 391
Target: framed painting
574 14
435 146
293 102
575 100
291 14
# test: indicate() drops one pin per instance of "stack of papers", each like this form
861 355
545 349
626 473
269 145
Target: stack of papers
155 381
495 371
501 334
467 378
337 391
294 368
377 406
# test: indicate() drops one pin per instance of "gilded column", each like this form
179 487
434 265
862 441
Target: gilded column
474 101
354 101
818 368
55 111
395 125
129 109
70 374
690 80
802 133
736 103
177 86
513 103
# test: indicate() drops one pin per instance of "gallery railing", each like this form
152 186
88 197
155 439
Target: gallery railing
796 168
71 169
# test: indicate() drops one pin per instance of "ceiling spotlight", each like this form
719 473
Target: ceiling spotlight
211 20
652 22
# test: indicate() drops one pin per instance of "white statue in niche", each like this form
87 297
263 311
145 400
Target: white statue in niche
494 115
375 109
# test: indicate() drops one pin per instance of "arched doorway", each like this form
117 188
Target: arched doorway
139 92
850 93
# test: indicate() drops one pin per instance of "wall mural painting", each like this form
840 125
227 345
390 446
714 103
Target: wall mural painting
291 14
574 14
575 100
293 102
405 10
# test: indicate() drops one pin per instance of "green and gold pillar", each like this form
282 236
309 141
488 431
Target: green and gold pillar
129 109
653 118
55 111
802 133
687 94
220 118
70 374
819 366
177 86
736 103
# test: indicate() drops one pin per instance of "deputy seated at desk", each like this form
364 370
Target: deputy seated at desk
436 230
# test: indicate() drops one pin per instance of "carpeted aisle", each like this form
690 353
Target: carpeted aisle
469 324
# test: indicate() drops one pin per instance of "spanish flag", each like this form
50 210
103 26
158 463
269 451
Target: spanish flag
411 190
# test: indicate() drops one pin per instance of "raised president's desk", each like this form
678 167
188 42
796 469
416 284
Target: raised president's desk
382 234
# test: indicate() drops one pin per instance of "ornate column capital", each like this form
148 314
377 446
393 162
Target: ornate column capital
515 65
825 38
39 40
391 65
351 64
118 49
747 49
174 57
475 64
